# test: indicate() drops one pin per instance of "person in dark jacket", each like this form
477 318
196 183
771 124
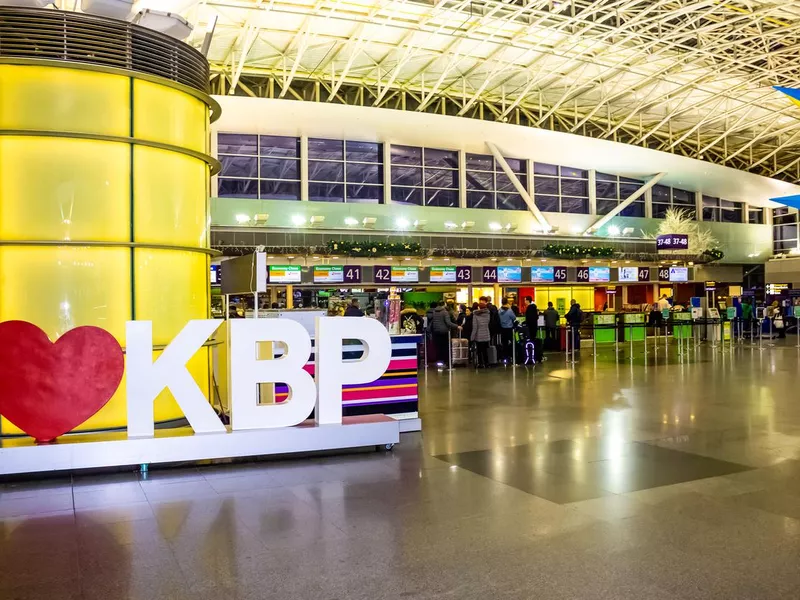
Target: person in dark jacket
410 321
551 319
466 326
494 318
531 318
480 333
440 325
353 310
574 318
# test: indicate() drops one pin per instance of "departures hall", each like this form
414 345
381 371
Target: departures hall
399 299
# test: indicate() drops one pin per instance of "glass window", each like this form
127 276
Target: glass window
480 162
731 212
406 155
626 190
545 169
407 176
325 192
325 149
274 145
364 152
364 173
480 181
372 194
441 158
572 172
238 188
236 143
682 198
574 187
511 202
784 215
407 195
575 205
446 198
325 171
280 190
239 166
483 199
635 209
660 210
661 193
755 216
606 206
547 203
441 178
786 232
607 189
517 165
545 185
279 168
605 177
783 246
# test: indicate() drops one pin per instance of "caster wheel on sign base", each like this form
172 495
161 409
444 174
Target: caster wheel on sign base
388 447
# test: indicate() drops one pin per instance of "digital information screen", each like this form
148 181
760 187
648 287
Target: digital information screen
285 273
628 275
405 275
509 274
443 274
543 274
329 274
599 274
678 274
215 275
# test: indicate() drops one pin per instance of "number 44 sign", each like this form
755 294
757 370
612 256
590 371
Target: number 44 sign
146 379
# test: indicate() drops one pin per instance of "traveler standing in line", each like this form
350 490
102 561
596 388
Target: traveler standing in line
507 321
480 333
440 325
574 318
663 303
531 318
466 326
494 319
353 310
551 319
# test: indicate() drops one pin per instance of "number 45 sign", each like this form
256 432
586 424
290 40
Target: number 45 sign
146 379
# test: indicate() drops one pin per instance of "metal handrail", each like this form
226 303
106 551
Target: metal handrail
44 34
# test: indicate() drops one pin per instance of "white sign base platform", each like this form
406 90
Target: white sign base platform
93 451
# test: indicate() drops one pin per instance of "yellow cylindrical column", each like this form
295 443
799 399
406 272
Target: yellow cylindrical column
104 207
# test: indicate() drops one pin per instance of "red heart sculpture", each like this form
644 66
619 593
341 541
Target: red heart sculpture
48 389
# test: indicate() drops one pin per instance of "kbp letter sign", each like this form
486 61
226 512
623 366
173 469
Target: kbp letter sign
146 379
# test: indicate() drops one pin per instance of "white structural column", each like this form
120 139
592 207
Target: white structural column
303 168
592 192
698 206
462 179
498 156
625 203
387 173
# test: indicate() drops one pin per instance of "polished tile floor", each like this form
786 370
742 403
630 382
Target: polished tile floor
651 479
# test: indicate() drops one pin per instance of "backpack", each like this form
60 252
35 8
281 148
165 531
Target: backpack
409 324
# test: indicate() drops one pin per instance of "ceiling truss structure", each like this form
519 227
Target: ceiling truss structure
692 77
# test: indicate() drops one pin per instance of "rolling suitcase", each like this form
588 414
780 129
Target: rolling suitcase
493 355
459 351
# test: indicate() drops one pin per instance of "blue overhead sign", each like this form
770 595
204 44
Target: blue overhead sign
790 201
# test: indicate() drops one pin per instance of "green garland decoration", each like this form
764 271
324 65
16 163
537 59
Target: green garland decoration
714 254
375 249
570 251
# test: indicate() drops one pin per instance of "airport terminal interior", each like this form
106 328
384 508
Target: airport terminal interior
419 299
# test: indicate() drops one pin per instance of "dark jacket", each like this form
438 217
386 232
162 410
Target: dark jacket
551 317
466 326
480 325
575 315
353 311
440 321
532 317
494 320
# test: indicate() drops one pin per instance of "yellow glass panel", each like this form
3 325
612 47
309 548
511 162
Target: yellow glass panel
64 189
166 115
63 99
172 288
169 198
59 289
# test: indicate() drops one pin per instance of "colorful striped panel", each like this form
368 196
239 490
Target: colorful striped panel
399 384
